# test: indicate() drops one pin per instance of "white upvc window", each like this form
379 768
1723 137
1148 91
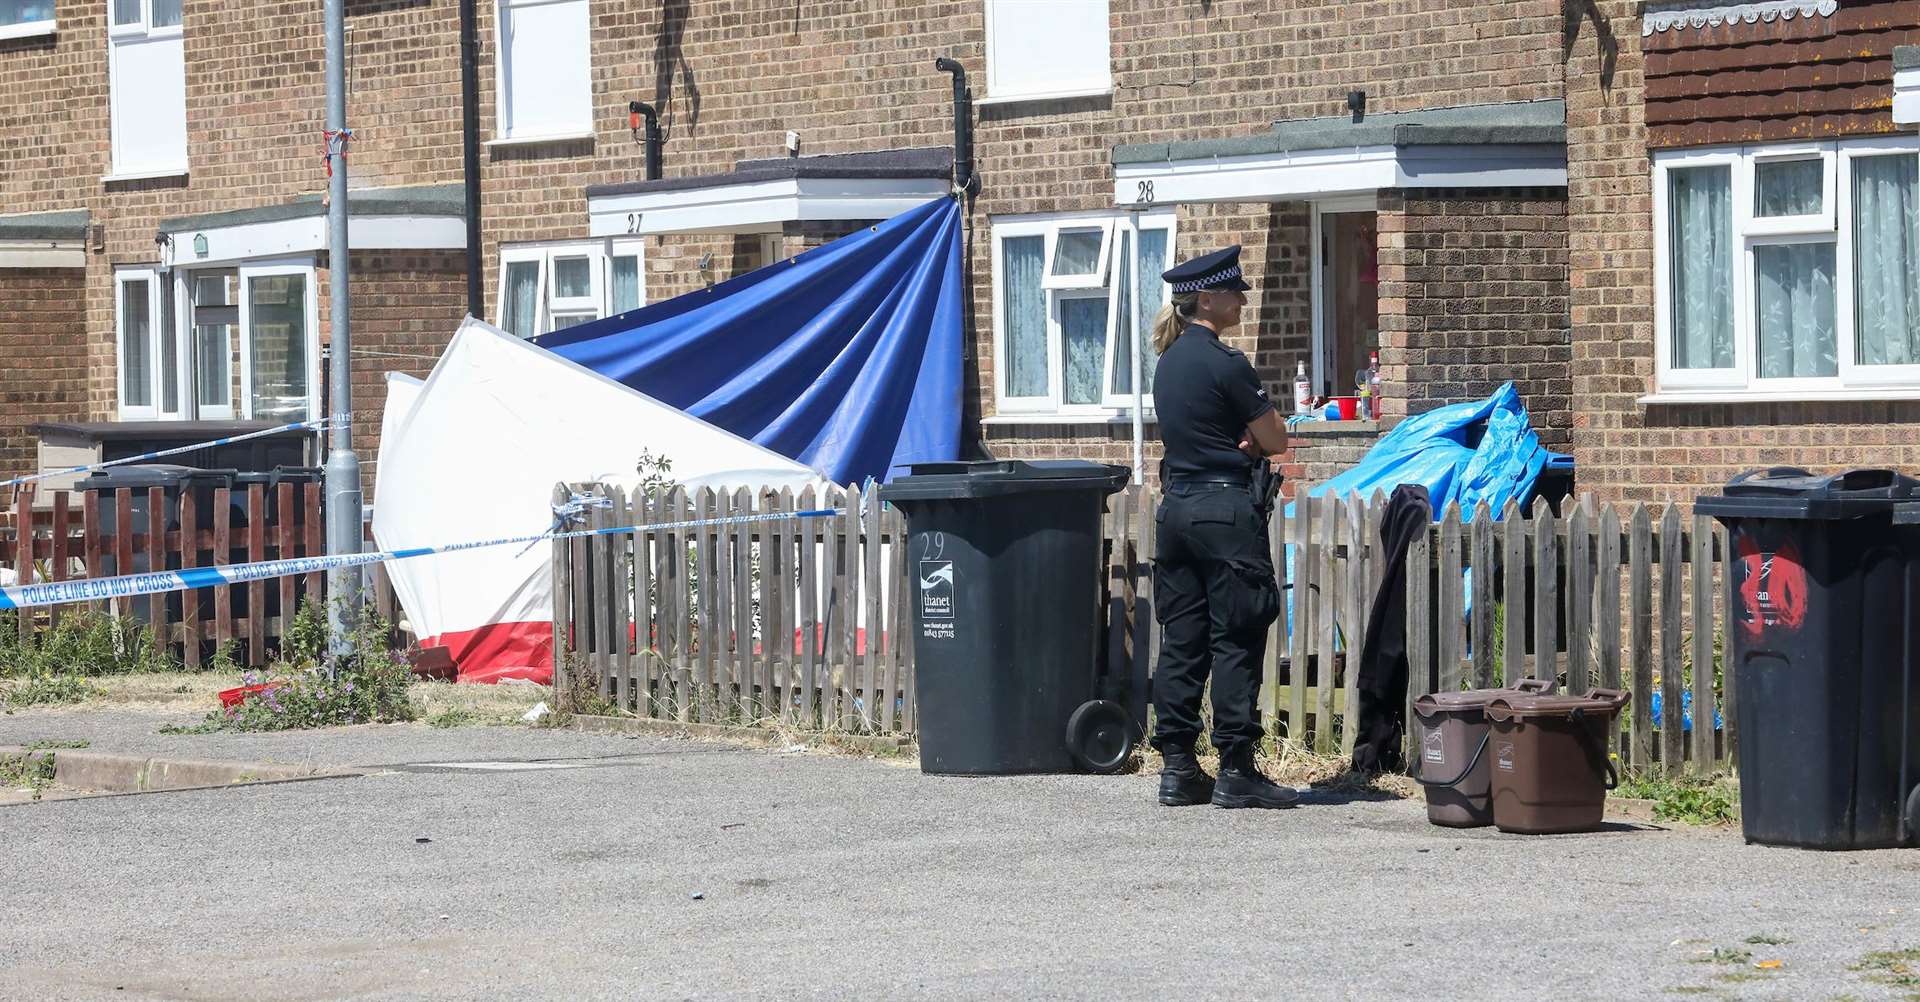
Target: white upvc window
26 18
179 357
279 341
1063 332
1041 49
1788 271
137 312
544 287
544 79
146 64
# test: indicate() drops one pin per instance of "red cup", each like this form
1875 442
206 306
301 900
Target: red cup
1349 408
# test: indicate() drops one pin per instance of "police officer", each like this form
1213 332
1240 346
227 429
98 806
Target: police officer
1214 582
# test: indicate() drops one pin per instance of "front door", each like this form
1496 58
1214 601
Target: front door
1349 303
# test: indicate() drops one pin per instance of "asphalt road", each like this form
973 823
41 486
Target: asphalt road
838 878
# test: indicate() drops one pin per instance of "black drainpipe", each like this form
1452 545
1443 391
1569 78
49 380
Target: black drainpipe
470 151
636 110
964 178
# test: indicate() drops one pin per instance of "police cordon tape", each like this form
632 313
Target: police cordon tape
157 582
316 425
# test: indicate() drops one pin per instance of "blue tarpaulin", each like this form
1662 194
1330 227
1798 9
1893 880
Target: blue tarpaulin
1479 451
846 357
1467 453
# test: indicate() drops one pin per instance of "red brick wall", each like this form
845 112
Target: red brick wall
406 306
1473 293
42 358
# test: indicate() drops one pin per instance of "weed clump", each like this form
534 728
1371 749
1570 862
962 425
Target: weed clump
368 684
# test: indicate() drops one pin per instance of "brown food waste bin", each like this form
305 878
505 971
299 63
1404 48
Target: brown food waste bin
1551 768
1450 762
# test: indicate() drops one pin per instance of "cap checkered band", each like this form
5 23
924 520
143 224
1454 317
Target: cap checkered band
1198 284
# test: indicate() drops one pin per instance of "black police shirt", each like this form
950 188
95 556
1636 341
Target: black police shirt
1205 395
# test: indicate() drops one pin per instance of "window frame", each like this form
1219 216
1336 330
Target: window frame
189 345
122 277
504 128
1054 291
996 92
276 268
1750 232
600 254
119 36
34 28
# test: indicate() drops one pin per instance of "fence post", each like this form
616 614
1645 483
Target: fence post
58 557
23 555
1579 599
1703 633
1546 595
807 714
1447 679
1358 601
1484 570
562 614
1640 577
1673 588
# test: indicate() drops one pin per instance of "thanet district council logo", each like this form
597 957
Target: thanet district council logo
936 599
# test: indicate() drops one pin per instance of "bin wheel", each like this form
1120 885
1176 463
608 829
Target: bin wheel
1101 736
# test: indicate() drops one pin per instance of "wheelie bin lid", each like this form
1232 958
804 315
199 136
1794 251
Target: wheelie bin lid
1521 706
1000 478
142 475
1792 493
1474 699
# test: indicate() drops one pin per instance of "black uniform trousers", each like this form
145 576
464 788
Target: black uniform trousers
1215 596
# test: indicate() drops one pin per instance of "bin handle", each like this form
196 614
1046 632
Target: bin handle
1618 697
1771 471
1579 718
1464 773
1534 685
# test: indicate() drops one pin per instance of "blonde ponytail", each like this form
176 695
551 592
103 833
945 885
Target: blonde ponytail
1174 318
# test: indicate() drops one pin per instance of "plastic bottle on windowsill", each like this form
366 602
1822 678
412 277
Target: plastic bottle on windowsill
1373 388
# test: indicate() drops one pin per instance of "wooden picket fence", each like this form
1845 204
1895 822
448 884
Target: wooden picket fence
1549 598
797 620
68 541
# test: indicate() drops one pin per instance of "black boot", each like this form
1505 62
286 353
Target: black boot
1242 785
1182 782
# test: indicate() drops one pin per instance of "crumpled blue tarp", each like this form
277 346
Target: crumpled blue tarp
1483 450
1467 453
846 357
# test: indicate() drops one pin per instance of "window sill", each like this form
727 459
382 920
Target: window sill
1860 395
30 29
1064 420
1058 95
547 140
147 175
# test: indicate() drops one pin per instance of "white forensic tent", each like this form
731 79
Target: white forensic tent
474 452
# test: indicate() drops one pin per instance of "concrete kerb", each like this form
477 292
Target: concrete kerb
890 745
105 772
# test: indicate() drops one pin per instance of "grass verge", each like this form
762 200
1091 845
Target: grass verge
1704 802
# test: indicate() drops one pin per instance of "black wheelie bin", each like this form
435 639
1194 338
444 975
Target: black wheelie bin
1003 565
1825 588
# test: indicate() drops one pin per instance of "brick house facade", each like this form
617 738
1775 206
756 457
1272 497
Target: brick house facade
1545 280
1759 76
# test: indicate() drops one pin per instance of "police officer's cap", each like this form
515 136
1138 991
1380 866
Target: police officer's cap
1215 272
